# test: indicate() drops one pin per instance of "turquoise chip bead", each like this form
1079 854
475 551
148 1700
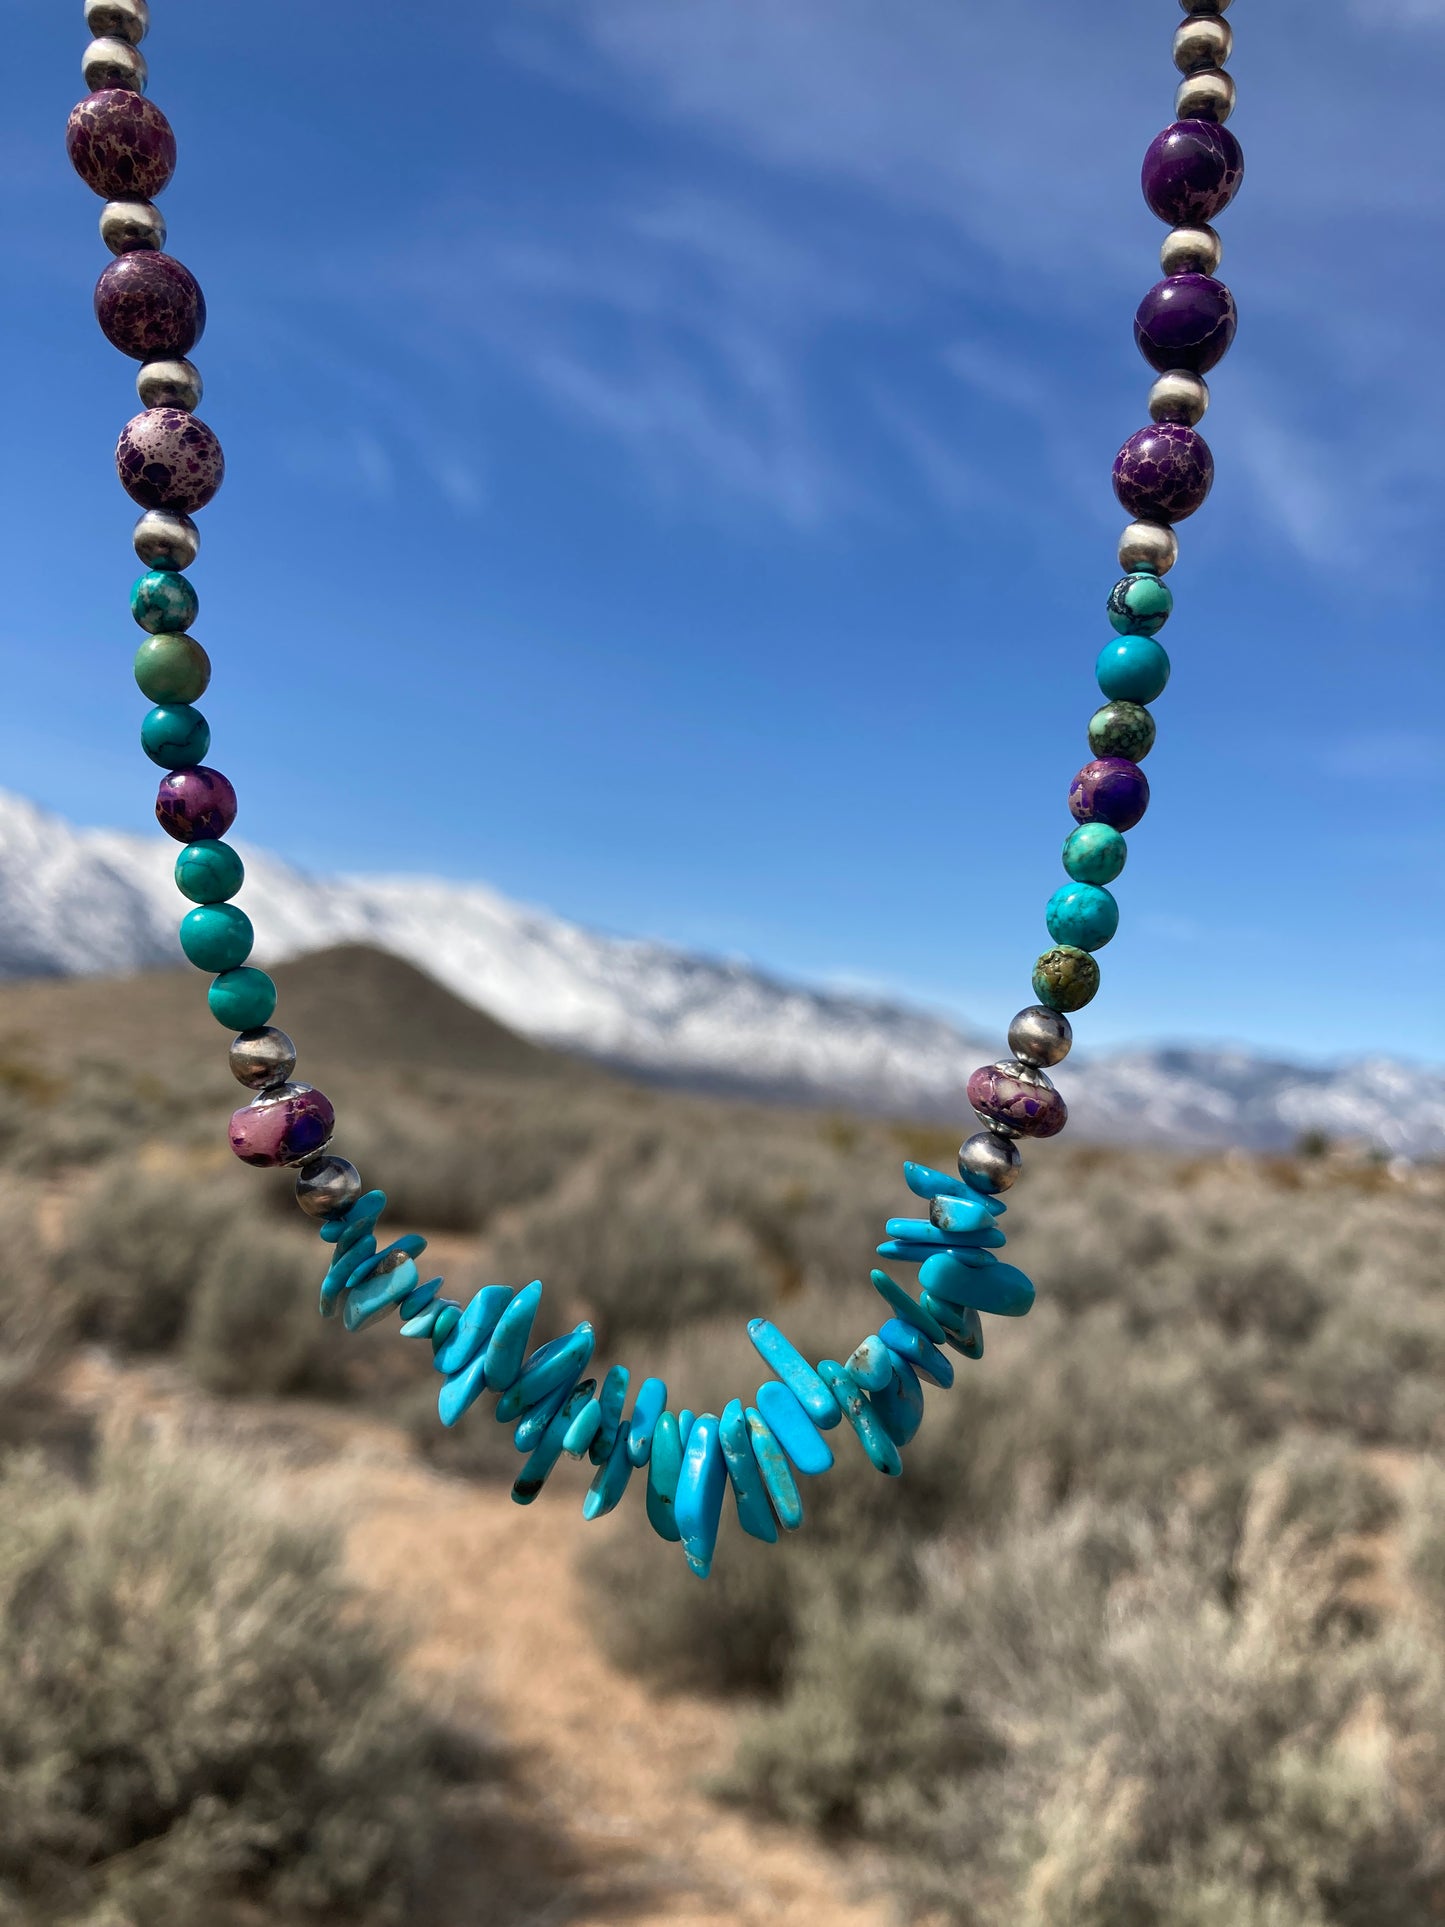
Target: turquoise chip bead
551 1442
898 1406
560 1362
610 1480
924 1231
870 1364
209 872
664 1465
1135 669
175 736
1095 853
956 1217
584 1428
364 1213
473 1328
795 1431
462 1389
868 1429
216 936
379 1291
906 1343
446 1323
1140 605
163 602
242 999
685 1422
1082 914
894 1296
419 1299
700 1488
532 1428
613 1397
963 1328
925 1183
647 1408
750 1495
796 1373
1000 1289
423 1324
777 1474
507 1346
340 1270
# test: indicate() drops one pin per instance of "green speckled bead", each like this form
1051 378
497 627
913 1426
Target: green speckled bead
175 736
1135 669
172 669
1064 979
242 999
1139 605
1095 853
209 872
163 602
1082 916
217 936
1122 729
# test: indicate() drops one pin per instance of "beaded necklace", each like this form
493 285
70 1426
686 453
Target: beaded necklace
170 463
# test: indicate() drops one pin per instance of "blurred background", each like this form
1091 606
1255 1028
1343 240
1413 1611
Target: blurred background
653 602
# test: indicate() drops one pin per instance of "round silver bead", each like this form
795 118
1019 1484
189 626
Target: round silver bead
1039 1037
1203 40
1148 545
166 539
113 63
1179 397
170 384
1207 95
991 1163
127 20
327 1186
1204 6
128 226
261 1058
1191 250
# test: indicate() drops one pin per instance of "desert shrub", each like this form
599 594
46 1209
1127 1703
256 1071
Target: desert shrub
252 1326
30 1321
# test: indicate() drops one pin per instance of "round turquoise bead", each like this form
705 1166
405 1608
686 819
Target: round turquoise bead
218 936
242 999
163 602
175 736
1095 853
1083 915
209 872
1132 670
1140 605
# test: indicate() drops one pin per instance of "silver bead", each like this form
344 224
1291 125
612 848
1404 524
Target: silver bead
1148 545
1179 397
1207 95
1191 250
327 1186
170 384
166 539
989 1162
1204 6
1203 40
1039 1037
261 1058
127 20
113 63
128 226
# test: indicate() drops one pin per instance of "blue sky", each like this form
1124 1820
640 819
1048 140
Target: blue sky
669 452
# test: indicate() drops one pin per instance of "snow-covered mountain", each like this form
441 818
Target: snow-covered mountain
86 902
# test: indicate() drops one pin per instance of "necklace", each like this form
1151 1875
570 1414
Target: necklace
170 463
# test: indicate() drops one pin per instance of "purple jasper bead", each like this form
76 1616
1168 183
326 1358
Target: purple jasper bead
1001 1092
1164 472
121 145
1192 172
167 459
285 1125
150 307
1186 322
195 805
1111 790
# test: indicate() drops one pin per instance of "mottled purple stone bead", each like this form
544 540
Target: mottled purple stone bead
1192 172
167 459
285 1125
150 306
1186 322
195 805
1032 1109
1110 790
121 145
1163 472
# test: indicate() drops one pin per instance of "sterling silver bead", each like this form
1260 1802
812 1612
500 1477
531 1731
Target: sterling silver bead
1191 250
1203 40
261 1058
989 1162
113 63
1207 95
1204 6
327 1186
166 539
127 20
170 384
1040 1037
1179 397
128 226
1148 545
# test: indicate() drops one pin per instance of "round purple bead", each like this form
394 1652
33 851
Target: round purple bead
1110 790
1163 472
1033 1110
285 1125
195 805
1192 172
121 145
1186 322
167 459
150 306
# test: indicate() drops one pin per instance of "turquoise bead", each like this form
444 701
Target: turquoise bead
375 1295
1135 669
664 1464
795 1431
584 1428
422 1324
924 1183
795 1372
1082 914
472 1330
363 1213
870 1364
339 1273
538 1417
898 1299
461 1390
777 1474
868 1429
242 999
550 1444
175 736
750 1495
904 1342
685 1422
446 1323
962 1327
906 1252
1000 1289
507 1345
700 1488
1095 853
419 1299
647 1408
898 1406
209 872
955 1217
922 1231
610 1480
613 1397
563 1361
216 936
163 602
1140 605
172 669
